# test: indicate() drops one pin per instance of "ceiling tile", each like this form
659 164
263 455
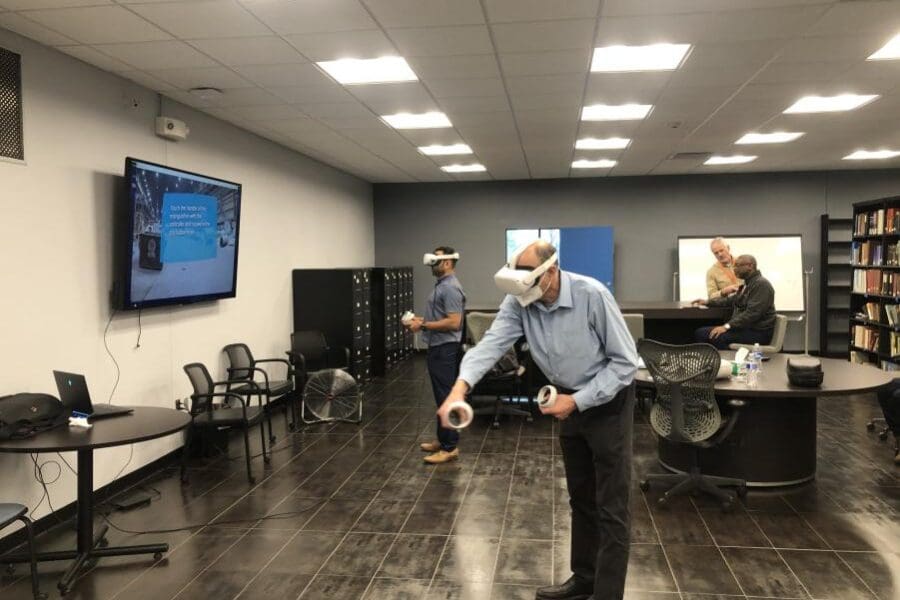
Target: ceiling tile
545 35
415 13
733 75
299 127
526 64
626 8
365 122
399 97
345 44
335 109
98 24
327 92
828 48
712 27
35 4
429 137
157 55
622 88
456 88
712 55
506 11
455 67
284 75
798 73
568 84
846 18
247 96
267 113
474 104
35 31
442 41
202 19
95 58
249 51
311 16
542 101
148 81
217 77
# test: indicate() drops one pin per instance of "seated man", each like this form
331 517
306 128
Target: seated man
889 399
753 318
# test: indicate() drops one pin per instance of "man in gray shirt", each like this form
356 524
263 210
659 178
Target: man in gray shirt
578 339
442 328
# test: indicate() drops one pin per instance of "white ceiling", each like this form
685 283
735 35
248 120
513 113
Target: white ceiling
512 76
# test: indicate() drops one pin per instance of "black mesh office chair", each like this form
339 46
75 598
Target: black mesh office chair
10 512
506 379
204 413
242 373
685 412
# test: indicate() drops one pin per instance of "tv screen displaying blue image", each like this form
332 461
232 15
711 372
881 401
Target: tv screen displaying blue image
182 242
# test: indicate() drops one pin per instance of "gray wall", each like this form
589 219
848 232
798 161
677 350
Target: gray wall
647 213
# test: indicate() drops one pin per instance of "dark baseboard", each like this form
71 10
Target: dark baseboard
66 514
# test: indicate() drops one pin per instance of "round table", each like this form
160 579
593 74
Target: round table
145 423
774 440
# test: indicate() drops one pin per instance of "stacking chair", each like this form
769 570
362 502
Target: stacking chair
242 374
774 346
10 512
204 413
685 412
506 378
309 353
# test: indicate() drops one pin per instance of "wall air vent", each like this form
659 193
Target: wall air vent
12 144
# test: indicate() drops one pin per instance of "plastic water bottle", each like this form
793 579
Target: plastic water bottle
758 356
753 367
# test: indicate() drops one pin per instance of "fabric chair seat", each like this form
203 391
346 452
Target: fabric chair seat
276 388
10 512
230 416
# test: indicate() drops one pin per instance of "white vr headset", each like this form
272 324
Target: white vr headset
521 283
432 259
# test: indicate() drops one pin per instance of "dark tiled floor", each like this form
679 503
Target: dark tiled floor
354 513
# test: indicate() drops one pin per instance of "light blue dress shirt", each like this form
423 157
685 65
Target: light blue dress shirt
580 341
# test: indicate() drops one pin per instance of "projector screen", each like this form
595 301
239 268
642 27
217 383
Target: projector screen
778 257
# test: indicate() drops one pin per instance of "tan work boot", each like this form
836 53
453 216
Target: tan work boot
442 456
430 446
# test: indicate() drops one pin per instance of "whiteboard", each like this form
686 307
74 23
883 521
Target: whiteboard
779 258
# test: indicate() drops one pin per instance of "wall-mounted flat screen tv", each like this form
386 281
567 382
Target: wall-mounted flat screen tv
178 237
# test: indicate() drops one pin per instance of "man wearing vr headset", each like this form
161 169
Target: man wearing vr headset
578 338
441 330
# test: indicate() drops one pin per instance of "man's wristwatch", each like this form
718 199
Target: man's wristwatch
726 326
422 326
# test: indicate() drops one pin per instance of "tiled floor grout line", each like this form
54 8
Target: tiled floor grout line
716 543
780 556
662 546
506 512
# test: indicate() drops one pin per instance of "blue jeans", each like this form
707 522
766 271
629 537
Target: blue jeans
443 369
734 336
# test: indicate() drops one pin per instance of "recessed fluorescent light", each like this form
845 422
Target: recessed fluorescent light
777 137
355 71
816 104
472 168
872 155
615 112
890 51
603 163
429 120
602 144
736 159
656 57
439 150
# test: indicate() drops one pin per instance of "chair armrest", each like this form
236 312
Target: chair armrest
343 353
230 382
287 364
736 406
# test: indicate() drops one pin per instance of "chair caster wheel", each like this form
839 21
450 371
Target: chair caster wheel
870 426
663 502
103 543
63 589
252 480
272 439
645 485
157 556
727 506
10 569
495 425
742 491
267 460
882 436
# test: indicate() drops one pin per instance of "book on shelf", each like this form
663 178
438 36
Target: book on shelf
891 312
895 343
871 311
865 337
887 365
859 227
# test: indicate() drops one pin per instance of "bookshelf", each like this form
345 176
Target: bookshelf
874 311
834 281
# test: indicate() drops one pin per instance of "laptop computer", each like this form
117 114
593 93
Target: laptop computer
73 393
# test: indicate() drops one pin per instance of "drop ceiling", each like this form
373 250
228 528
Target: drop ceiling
511 75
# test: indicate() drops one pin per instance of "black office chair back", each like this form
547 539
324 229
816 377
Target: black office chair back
311 344
201 399
685 408
240 362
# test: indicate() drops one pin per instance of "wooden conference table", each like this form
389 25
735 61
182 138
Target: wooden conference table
774 440
145 423
674 322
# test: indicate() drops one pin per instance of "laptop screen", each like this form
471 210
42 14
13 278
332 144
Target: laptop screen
73 391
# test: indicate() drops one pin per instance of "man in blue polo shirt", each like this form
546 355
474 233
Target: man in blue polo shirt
578 338
441 329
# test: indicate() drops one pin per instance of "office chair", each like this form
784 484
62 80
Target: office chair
505 380
242 372
10 512
685 412
205 414
775 345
